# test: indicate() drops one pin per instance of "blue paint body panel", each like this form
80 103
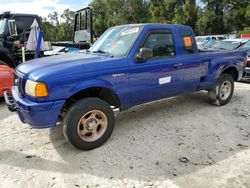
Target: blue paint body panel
38 115
140 81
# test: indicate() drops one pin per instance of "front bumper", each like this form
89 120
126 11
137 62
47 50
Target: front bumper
37 115
246 75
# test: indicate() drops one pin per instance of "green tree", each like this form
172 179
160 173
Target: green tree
48 29
236 14
108 13
55 30
187 14
211 17
164 11
174 11
54 18
134 11
225 16
100 16
66 28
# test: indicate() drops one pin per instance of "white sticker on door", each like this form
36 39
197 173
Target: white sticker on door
165 80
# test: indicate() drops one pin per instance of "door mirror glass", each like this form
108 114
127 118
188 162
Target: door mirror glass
144 53
12 28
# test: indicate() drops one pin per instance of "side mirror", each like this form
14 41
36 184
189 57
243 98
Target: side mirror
12 28
144 53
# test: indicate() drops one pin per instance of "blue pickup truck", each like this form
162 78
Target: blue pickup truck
129 65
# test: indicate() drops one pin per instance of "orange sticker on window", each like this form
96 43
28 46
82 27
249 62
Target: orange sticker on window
187 41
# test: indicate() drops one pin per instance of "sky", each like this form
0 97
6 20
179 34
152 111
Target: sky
41 7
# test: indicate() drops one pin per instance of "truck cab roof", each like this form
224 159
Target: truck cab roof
157 25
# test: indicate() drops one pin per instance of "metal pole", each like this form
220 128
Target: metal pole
23 54
91 26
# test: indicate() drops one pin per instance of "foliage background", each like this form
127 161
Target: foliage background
209 17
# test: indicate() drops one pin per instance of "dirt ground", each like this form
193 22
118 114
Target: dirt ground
144 150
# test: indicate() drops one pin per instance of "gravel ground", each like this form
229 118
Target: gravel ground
144 150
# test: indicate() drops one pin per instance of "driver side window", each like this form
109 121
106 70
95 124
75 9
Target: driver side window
161 43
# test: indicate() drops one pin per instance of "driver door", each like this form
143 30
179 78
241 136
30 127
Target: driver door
159 76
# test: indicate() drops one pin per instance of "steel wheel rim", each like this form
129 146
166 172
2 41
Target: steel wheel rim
225 90
92 126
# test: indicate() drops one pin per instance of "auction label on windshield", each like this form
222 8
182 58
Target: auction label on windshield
130 31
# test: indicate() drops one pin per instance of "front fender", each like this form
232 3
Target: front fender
90 84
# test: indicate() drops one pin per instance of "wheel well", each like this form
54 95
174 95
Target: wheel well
100 92
232 71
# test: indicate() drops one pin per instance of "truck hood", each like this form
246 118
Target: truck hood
64 64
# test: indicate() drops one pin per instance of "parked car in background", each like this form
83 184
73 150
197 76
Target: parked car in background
203 40
227 44
6 79
208 41
61 50
246 75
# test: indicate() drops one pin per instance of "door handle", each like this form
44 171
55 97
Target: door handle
177 65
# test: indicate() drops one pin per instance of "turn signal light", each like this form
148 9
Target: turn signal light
36 89
41 90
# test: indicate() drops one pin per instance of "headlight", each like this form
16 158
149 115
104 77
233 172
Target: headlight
36 89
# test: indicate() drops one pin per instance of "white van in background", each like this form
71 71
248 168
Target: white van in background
207 41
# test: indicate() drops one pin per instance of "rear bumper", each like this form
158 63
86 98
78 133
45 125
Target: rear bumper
37 115
246 75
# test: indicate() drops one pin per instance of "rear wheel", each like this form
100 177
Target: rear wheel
89 123
222 93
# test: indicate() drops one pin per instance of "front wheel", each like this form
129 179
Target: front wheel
223 91
89 123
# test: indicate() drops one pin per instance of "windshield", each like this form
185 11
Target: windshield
200 39
247 45
117 41
226 45
2 25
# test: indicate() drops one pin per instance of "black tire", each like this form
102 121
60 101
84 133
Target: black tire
3 63
74 117
216 95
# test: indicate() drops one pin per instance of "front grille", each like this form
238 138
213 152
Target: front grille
18 83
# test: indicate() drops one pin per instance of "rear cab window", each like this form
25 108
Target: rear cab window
188 43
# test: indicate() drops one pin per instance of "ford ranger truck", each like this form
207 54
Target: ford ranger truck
129 65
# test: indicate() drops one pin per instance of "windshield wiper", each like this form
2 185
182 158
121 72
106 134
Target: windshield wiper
102 52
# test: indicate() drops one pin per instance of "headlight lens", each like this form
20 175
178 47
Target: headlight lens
36 89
